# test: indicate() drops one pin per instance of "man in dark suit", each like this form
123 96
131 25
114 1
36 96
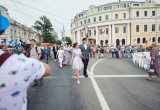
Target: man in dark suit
55 50
87 53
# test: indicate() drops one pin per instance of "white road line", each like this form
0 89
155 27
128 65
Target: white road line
50 77
100 96
120 76
79 76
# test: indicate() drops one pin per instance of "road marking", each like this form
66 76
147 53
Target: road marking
120 76
79 76
50 77
100 96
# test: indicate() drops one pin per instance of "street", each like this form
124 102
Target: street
114 84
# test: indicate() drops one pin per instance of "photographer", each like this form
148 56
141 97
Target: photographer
17 72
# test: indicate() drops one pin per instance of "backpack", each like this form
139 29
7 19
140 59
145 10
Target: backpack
42 56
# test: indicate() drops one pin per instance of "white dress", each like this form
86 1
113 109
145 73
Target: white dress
77 61
60 55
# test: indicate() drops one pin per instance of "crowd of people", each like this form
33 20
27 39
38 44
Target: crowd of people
124 51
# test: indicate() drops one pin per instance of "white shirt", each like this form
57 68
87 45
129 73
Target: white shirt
16 75
85 46
34 53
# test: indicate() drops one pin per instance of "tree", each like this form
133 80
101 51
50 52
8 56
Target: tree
68 39
59 42
44 26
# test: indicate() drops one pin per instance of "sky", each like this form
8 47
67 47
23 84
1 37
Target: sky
60 12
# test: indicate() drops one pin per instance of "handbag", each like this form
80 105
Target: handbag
152 68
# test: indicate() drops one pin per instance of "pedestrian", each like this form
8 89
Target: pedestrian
107 51
86 53
77 60
119 52
94 51
113 51
55 50
35 53
60 54
122 50
46 51
15 80
66 57
155 62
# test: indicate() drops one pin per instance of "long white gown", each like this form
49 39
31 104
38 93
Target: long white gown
77 61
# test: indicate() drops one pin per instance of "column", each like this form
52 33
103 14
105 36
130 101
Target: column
78 37
113 35
120 41
128 34
110 34
97 36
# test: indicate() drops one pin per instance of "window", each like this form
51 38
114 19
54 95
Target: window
88 20
116 16
138 40
101 42
100 18
77 24
153 39
153 27
145 28
123 42
106 17
100 31
159 27
145 13
137 28
153 13
94 32
116 30
124 29
135 4
124 15
107 30
158 39
106 41
137 13
84 21
81 22
82 34
144 40
94 19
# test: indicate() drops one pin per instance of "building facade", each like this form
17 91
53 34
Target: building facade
17 31
118 23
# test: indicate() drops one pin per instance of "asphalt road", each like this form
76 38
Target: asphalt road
120 92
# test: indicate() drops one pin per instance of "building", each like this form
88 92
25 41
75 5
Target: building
17 31
123 22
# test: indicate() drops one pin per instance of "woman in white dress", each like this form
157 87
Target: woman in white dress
60 54
77 61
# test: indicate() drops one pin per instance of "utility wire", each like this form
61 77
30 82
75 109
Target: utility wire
38 1
40 10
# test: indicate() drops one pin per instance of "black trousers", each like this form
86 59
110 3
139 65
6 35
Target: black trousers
113 54
55 55
85 62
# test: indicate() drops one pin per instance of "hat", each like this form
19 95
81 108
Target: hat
33 40
4 23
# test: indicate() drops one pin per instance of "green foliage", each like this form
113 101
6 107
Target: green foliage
44 26
59 42
68 39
